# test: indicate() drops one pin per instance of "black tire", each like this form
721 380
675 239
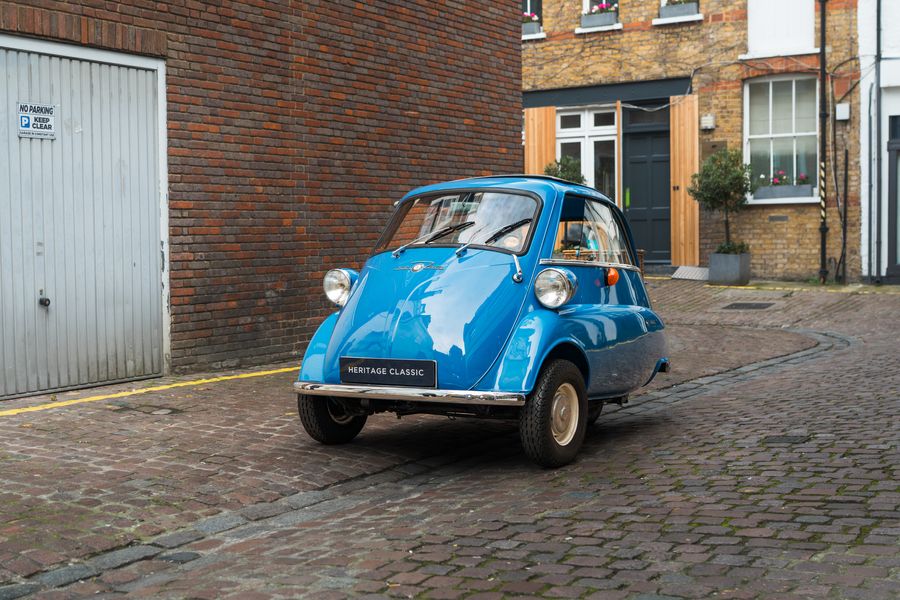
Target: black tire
594 410
327 421
536 419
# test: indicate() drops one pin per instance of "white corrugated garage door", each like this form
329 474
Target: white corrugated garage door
80 226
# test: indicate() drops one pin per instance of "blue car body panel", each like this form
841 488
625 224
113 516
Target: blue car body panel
485 331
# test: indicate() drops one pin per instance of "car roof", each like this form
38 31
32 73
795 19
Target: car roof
542 185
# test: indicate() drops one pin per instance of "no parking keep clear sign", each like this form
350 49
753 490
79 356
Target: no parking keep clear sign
37 120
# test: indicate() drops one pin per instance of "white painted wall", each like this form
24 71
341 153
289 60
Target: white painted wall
890 86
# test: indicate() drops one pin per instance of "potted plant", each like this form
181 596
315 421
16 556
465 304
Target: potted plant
722 185
678 8
567 168
780 186
531 23
602 14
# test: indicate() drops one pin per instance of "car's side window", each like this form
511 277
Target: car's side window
588 231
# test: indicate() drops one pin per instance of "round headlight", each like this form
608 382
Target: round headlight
337 284
554 287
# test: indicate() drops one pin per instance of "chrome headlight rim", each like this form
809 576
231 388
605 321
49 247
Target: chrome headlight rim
337 285
568 282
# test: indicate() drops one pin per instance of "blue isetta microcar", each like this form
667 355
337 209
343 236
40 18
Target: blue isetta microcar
513 297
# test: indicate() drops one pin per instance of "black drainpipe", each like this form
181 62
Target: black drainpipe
823 144
871 182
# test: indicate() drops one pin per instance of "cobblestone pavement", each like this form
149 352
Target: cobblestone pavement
768 470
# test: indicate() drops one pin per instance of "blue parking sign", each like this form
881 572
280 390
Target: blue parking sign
24 121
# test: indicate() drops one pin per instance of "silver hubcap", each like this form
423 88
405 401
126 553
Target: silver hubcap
337 413
564 416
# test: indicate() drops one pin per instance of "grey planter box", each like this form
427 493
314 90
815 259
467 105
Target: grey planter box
599 20
670 11
768 192
729 269
531 28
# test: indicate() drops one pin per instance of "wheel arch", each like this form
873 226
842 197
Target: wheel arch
568 350
313 366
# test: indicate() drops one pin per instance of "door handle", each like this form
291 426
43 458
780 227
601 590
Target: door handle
44 301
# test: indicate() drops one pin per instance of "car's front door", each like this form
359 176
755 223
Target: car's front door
590 241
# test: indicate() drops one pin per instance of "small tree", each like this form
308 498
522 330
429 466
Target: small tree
722 185
567 168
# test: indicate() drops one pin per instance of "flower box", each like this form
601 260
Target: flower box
531 28
771 192
683 9
604 19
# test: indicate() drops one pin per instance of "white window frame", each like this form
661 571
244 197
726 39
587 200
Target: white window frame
587 134
534 36
747 137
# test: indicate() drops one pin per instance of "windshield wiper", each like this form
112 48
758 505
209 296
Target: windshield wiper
432 235
506 229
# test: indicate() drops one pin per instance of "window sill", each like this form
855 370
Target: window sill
583 30
753 56
674 20
534 36
771 201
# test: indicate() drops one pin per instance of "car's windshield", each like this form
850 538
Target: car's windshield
496 219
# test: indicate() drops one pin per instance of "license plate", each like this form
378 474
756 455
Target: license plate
381 371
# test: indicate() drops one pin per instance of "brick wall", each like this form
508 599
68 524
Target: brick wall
784 240
292 127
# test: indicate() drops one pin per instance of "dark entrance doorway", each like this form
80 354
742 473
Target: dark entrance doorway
892 274
646 181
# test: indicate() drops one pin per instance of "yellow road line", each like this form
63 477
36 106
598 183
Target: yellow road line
157 388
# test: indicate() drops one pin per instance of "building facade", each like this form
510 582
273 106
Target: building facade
879 131
177 176
643 92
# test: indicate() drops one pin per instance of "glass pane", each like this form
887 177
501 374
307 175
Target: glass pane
589 232
642 117
759 108
806 160
604 119
471 217
605 167
806 105
570 149
782 161
897 210
782 109
759 161
569 121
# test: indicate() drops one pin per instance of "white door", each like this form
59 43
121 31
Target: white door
80 259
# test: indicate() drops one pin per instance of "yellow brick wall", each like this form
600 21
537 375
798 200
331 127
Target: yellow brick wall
708 52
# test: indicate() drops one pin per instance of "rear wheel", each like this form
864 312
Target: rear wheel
327 420
553 421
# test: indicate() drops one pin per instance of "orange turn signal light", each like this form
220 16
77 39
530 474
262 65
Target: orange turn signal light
612 276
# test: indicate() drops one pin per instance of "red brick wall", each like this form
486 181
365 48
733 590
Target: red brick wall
292 127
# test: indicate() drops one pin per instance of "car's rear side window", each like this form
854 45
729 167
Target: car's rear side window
589 231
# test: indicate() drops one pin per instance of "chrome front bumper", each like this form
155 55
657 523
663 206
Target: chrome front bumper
410 394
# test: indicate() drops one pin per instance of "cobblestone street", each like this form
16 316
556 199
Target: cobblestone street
764 466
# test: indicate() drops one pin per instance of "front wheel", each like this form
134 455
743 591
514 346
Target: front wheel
553 421
327 420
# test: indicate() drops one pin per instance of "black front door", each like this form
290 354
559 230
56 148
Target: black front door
892 273
646 193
